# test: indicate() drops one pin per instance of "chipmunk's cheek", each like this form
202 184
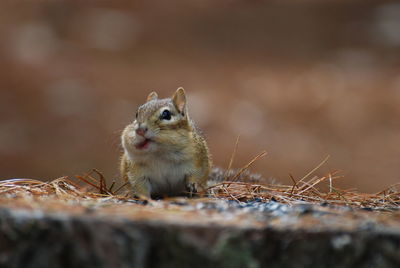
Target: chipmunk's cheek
128 139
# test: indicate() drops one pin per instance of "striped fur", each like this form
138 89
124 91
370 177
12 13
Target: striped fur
177 157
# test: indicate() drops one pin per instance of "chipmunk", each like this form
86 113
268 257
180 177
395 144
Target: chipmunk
164 154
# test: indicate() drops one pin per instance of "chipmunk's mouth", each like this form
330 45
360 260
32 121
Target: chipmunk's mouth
143 145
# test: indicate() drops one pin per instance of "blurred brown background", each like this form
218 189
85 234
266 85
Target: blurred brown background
301 79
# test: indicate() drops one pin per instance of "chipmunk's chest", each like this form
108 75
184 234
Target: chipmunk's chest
166 177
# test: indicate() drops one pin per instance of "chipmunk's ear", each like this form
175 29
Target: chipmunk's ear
179 100
152 96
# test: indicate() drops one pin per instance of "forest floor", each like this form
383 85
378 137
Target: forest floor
242 221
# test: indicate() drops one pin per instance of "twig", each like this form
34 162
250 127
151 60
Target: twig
233 155
86 181
122 186
314 169
294 184
243 169
111 187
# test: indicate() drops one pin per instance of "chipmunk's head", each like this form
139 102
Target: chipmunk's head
159 124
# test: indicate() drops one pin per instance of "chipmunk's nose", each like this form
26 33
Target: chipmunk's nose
141 131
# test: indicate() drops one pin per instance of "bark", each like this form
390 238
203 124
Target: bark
30 238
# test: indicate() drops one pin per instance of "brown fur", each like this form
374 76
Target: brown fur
178 160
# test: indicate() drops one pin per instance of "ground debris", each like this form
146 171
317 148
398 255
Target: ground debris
248 222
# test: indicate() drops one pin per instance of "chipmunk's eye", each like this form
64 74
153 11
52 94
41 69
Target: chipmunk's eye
166 115
137 114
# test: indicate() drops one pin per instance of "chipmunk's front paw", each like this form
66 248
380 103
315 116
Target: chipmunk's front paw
191 187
